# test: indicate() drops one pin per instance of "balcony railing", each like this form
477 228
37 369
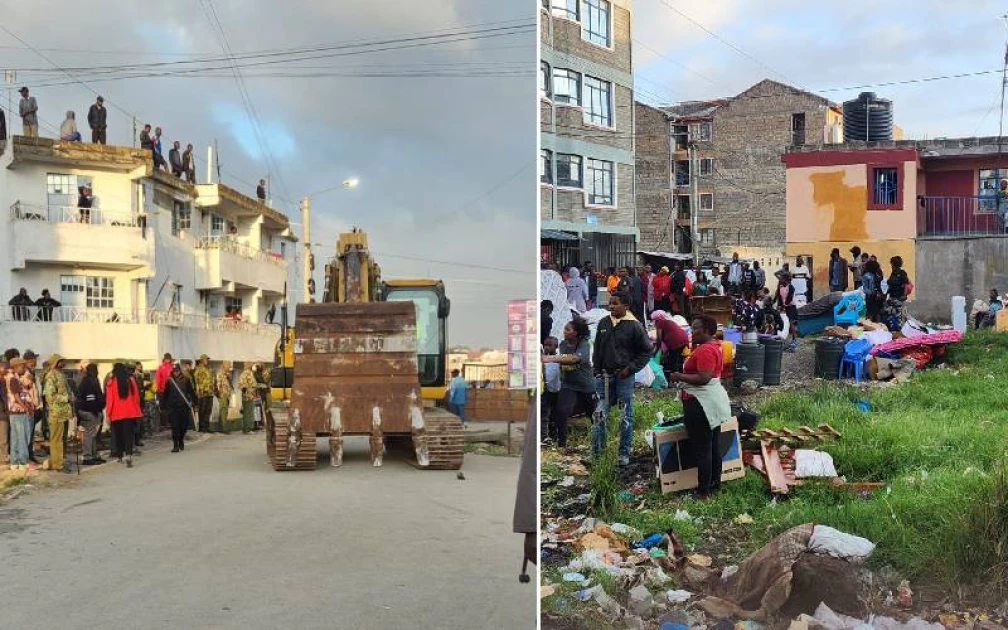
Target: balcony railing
72 214
961 216
91 315
234 246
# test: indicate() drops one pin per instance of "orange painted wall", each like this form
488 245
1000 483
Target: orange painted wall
830 203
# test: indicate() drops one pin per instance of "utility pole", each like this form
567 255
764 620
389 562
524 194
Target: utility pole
694 200
1004 81
306 221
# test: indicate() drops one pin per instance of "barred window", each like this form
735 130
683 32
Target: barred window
546 166
181 217
601 191
216 225
566 86
100 292
598 101
596 22
568 170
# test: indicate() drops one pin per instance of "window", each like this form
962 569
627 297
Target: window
601 191
181 217
682 173
701 132
568 170
232 303
566 9
598 101
706 201
706 236
885 192
683 206
99 292
596 23
681 134
566 86
546 166
72 290
706 166
62 190
991 181
216 225
798 129
544 79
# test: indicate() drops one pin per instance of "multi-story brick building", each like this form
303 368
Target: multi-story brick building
586 166
739 142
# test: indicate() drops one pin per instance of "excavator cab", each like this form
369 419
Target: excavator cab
432 310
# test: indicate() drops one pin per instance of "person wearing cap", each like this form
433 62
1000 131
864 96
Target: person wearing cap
224 390
249 389
96 118
28 110
204 393
59 400
20 411
34 389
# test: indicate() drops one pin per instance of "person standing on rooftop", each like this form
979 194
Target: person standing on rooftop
28 110
175 159
96 117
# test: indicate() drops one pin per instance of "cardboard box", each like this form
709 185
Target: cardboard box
676 465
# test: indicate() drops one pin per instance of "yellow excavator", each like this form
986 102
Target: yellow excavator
369 359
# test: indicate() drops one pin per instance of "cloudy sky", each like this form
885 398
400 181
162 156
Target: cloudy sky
822 46
446 163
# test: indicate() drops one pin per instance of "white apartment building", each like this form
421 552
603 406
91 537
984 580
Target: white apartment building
150 268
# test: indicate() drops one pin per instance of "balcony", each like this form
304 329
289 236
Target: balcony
102 334
222 260
74 236
962 216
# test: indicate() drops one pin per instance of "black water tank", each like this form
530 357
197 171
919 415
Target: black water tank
749 359
828 354
772 359
868 118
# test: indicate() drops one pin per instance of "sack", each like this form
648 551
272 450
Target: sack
909 287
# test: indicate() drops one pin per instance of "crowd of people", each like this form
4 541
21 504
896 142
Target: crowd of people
50 408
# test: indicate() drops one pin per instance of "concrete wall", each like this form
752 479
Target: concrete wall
957 266
830 203
819 253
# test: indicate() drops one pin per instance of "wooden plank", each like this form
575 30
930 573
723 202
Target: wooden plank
775 473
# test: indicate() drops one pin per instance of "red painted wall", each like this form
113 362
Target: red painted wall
951 183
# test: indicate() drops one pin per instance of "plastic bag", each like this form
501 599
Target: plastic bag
828 541
659 382
645 377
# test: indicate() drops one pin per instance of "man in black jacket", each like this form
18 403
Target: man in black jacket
96 118
175 159
622 349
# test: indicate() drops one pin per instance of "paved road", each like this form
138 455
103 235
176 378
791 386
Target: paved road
213 538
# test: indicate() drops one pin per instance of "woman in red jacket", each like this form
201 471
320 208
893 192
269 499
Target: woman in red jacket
122 406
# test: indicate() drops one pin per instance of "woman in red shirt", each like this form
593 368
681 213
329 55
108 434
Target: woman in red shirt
122 406
705 403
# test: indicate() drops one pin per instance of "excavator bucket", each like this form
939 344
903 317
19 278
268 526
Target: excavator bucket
355 373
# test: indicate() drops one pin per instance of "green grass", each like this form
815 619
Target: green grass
938 441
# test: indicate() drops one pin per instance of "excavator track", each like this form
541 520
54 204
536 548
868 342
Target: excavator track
305 459
445 439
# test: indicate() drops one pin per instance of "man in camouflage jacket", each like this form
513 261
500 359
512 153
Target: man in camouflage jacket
224 390
204 382
59 398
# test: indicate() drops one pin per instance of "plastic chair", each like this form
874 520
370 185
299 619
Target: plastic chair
855 354
849 309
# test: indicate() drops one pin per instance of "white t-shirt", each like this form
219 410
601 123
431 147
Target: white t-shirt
799 279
